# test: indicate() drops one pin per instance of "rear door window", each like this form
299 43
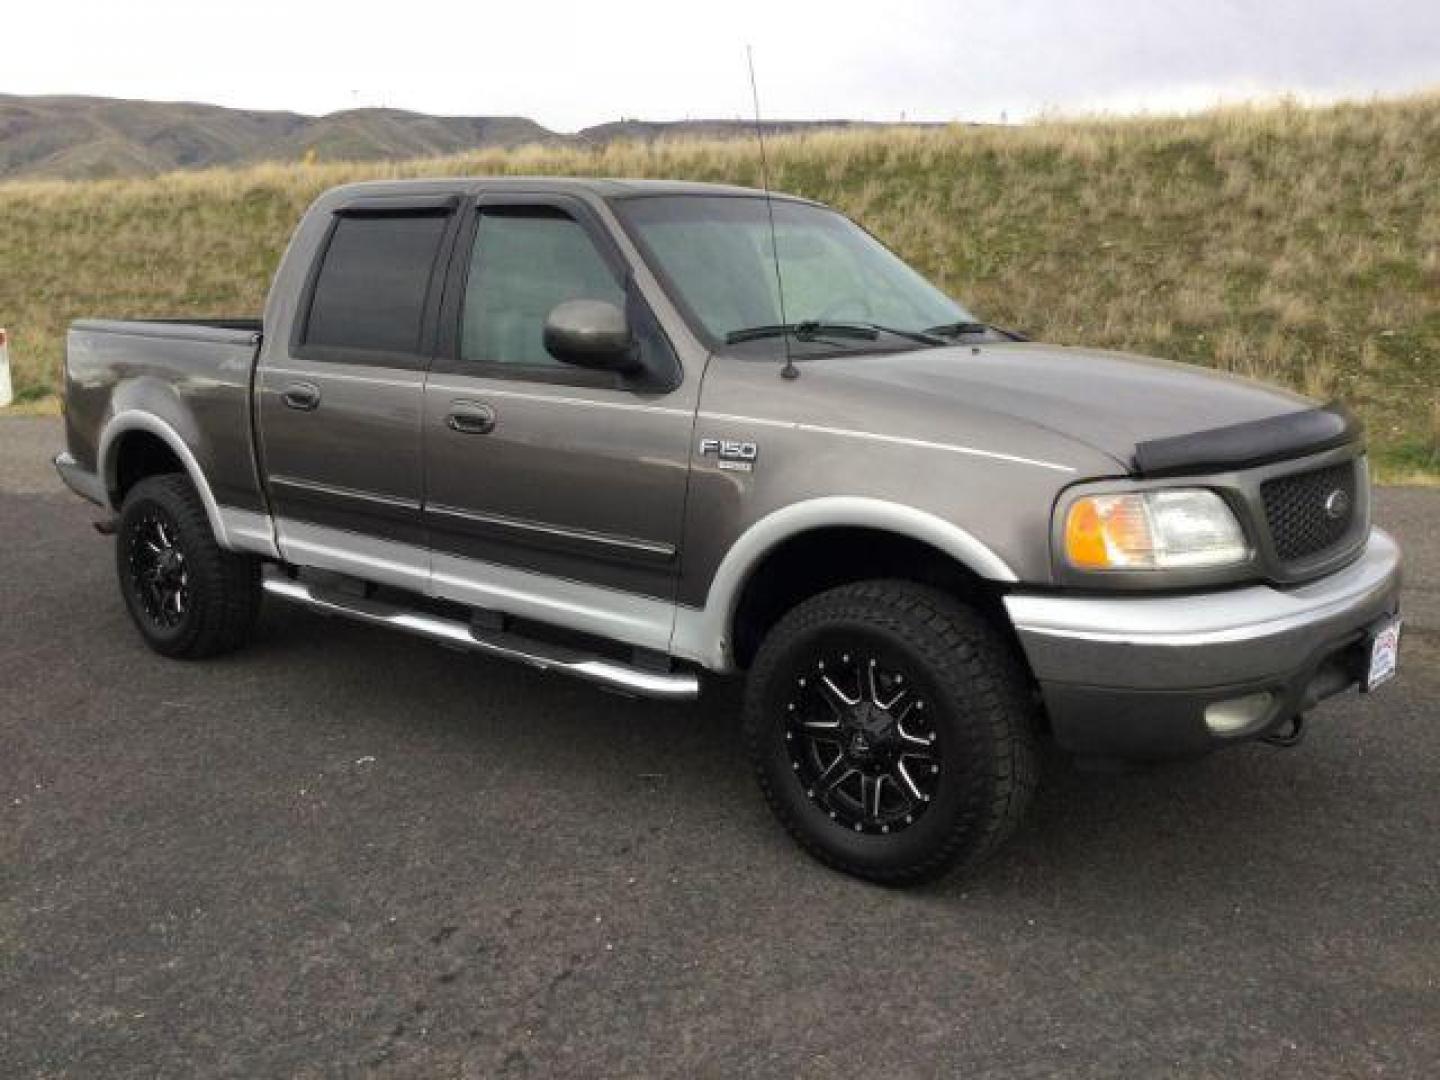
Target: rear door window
375 282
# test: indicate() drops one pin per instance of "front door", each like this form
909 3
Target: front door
340 405
551 491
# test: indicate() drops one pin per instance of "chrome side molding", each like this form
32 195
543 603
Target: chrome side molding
665 685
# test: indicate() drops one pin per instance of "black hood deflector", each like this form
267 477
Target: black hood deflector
1243 446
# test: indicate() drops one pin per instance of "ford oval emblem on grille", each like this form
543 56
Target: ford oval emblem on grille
1337 504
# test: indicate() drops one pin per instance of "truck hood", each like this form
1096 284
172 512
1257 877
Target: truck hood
1108 401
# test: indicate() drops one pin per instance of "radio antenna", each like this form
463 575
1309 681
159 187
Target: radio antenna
789 371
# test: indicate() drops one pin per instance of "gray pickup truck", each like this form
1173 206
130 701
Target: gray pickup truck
634 430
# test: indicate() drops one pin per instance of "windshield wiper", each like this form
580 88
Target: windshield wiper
808 330
955 329
924 337
811 330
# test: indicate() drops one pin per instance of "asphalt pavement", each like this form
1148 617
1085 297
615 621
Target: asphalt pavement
343 851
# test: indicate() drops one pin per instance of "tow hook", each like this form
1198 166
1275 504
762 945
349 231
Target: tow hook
1289 736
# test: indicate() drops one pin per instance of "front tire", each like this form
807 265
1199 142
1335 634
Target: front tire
188 596
892 729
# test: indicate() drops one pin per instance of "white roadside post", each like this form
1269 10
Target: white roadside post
7 390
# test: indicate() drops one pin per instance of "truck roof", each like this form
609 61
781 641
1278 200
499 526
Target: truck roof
603 187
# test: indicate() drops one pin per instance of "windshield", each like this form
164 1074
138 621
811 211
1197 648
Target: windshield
716 253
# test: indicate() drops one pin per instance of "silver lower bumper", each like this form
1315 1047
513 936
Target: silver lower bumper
80 480
1140 670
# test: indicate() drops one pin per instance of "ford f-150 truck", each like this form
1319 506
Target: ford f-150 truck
635 431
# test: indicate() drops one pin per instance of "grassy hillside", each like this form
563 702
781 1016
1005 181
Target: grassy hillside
1296 245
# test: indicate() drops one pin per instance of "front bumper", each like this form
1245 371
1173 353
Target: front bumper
1133 676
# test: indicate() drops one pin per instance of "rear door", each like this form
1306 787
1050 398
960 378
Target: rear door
552 491
340 405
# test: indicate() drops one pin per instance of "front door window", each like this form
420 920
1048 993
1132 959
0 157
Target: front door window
523 264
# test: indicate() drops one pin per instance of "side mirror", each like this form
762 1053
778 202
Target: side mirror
591 334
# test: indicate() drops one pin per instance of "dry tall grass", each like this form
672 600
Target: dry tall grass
1293 244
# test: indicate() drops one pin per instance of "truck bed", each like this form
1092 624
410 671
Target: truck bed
194 375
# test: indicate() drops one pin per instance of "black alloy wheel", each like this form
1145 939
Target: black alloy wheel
158 574
861 740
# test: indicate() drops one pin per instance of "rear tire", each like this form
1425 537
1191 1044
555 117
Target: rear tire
919 707
188 596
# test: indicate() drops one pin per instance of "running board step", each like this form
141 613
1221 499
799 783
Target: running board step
667 685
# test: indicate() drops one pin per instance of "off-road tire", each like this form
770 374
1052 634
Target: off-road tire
983 720
222 588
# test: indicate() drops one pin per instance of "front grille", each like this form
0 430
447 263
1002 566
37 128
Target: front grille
1301 510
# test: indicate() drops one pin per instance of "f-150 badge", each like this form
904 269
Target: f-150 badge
731 454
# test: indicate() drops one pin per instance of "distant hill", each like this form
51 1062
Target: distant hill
87 138
79 138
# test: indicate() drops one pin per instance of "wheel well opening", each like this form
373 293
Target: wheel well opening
141 454
809 564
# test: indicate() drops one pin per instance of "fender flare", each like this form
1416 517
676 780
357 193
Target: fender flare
239 534
704 634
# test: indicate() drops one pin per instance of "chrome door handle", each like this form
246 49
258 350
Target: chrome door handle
301 395
470 418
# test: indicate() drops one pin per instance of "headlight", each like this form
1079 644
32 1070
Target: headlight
1180 528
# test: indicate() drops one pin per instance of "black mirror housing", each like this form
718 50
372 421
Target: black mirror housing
592 334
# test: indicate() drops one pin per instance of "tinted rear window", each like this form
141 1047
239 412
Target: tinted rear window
372 286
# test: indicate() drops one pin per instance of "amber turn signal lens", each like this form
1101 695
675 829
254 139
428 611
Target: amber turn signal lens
1085 537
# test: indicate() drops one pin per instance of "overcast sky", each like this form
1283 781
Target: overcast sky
569 65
